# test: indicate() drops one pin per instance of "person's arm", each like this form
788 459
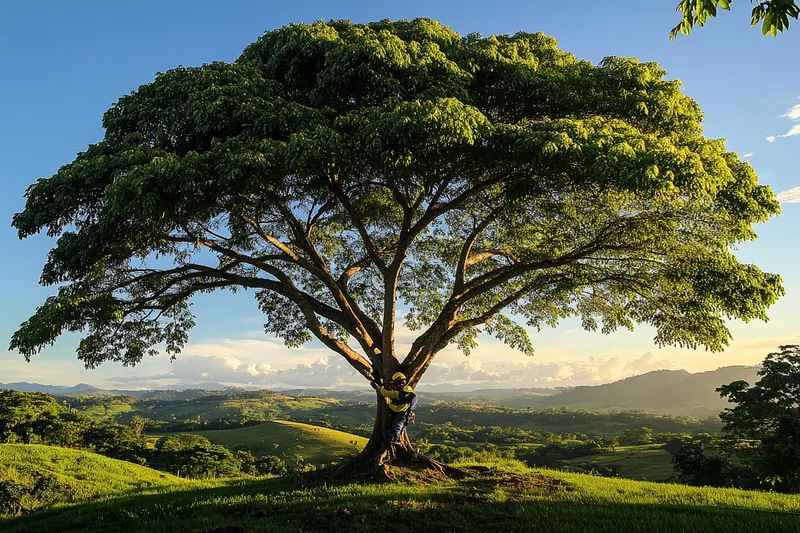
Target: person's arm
386 393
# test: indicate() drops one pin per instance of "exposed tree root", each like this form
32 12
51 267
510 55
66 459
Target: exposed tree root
392 463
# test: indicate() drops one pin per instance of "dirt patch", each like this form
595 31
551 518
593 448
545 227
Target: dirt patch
487 479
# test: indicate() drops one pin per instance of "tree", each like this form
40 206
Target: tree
337 169
641 435
772 14
768 416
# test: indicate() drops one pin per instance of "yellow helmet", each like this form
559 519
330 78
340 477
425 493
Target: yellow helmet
398 375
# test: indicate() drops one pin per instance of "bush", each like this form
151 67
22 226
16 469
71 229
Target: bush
27 490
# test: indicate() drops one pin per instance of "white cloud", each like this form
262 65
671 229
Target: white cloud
792 132
194 371
793 113
792 196
749 154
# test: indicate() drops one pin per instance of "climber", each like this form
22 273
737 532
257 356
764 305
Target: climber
402 402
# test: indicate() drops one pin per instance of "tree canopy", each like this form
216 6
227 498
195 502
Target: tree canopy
336 169
772 14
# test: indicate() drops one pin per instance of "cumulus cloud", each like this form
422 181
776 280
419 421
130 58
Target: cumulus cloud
792 196
792 114
200 370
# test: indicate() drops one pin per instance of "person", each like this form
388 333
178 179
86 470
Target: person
402 402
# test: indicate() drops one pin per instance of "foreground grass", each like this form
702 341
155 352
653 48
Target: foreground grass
315 444
527 500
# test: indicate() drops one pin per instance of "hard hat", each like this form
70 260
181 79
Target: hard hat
398 375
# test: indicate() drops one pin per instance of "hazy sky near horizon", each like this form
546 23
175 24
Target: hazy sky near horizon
65 63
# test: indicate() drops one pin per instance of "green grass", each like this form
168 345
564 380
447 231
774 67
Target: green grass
103 413
315 444
538 500
642 463
84 475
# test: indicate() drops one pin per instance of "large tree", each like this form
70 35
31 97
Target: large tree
339 170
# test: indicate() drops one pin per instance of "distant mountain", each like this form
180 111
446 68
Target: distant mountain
23 386
676 392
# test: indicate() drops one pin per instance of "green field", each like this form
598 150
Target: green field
82 475
642 463
316 445
505 497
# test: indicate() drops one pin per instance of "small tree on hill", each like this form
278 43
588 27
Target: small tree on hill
336 170
763 428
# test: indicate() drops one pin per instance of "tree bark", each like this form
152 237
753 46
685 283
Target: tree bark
382 461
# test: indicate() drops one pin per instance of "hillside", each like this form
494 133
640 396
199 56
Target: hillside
81 476
503 497
315 444
664 391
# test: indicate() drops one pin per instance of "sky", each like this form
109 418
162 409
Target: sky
65 63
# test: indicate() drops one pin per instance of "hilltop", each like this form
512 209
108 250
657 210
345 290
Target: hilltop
497 497
316 445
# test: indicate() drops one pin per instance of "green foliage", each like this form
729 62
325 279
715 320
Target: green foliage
641 435
481 181
766 414
773 14
24 491
696 467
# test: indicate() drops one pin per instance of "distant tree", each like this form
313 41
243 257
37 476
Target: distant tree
117 441
764 425
336 169
608 442
642 435
18 410
270 465
696 467
772 14
138 424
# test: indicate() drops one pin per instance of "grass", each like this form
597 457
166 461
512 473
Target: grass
529 500
84 476
642 463
316 445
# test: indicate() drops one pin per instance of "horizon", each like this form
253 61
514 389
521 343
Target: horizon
85 58
439 387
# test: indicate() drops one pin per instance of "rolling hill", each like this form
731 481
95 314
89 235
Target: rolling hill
498 497
316 445
80 476
675 392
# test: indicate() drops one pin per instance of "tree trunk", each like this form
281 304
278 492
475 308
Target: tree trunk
383 461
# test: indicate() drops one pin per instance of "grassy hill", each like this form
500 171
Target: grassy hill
315 444
664 391
641 463
81 476
503 497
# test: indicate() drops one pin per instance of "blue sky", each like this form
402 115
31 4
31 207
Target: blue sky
65 63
